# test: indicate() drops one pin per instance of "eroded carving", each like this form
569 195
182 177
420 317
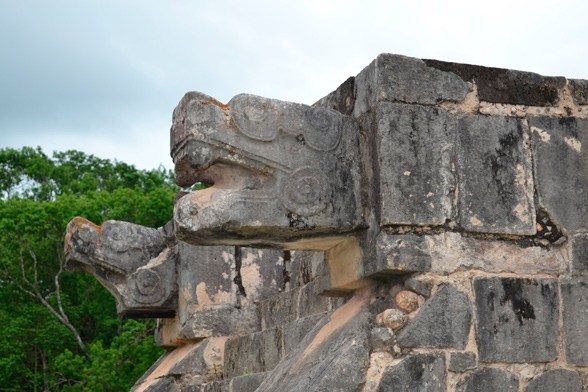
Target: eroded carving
294 158
133 262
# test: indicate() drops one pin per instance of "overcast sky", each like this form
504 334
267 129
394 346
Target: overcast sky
104 76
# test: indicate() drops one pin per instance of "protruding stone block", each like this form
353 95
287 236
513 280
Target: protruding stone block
489 379
415 153
283 169
556 380
442 322
403 79
517 319
561 169
575 319
495 176
398 254
135 263
417 372
506 85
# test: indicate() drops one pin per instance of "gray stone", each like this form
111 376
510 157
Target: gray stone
134 263
214 386
220 320
334 356
381 339
495 176
489 380
247 382
561 169
258 352
164 384
279 309
283 169
418 286
294 332
579 89
417 372
192 363
575 318
398 254
207 275
404 79
516 319
310 302
578 253
461 361
556 380
261 273
506 85
442 322
342 99
416 149
306 266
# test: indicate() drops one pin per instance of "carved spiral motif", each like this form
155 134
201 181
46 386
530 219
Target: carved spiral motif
146 285
306 191
325 130
252 117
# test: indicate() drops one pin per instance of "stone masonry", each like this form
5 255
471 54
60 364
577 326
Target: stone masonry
424 227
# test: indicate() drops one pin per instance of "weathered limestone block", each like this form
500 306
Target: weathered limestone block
209 299
496 183
334 356
556 380
294 332
193 364
403 79
506 85
261 273
579 89
417 372
489 379
258 352
286 170
342 99
395 254
452 252
578 253
461 361
517 319
304 267
443 322
561 169
415 149
279 309
135 263
247 382
575 318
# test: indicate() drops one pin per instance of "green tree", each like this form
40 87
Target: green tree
60 329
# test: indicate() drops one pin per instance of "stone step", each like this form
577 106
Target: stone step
289 306
262 351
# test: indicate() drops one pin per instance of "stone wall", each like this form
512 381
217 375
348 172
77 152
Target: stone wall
450 253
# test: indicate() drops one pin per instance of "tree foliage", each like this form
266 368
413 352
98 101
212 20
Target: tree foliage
39 196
